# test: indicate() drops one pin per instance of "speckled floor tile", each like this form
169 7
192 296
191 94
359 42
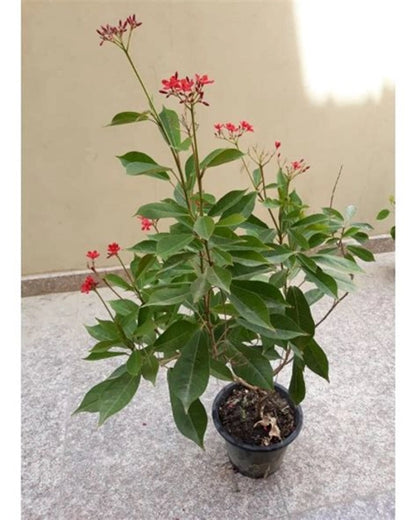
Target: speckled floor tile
379 507
137 466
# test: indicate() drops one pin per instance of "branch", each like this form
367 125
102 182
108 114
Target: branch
336 302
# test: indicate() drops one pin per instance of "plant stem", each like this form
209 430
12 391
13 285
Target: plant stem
335 187
336 302
196 160
161 127
283 363
130 278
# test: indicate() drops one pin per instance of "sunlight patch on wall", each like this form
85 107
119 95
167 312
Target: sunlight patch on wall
346 48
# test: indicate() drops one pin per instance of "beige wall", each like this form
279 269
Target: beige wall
75 193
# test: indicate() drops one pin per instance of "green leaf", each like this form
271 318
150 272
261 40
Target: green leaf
244 206
150 368
134 363
105 331
168 295
298 238
117 395
118 281
139 163
164 209
220 156
199 287
190 172
313 295
271 203
171 125
153 170
220 370
249 364
143 265
95 356
285 327
270 295
175 336
307 262
145 246
317 218
297 388
174 243
124 118
323 281
227 201
279 254
248 258
204 227
103 346
128 322
221 257
333 213
231 221
350 211
362 253
219 277
315 359
192 424
189 377
124 307
338 263
300 311
110 396
185 144
250 306
384 213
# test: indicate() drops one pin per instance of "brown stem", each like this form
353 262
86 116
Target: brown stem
283 363
97 274
335 187
336 302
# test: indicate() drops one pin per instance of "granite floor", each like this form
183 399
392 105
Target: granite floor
138 467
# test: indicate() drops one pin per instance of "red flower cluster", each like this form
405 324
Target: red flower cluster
188 91
277 144
114 33
234 132
89 284
146 223
298 166
113 249
93 254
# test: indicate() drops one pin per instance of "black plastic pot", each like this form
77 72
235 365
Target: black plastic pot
250 460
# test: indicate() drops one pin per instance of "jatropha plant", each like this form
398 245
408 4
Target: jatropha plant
222 292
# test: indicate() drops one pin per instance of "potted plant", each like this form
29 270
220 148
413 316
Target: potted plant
216 291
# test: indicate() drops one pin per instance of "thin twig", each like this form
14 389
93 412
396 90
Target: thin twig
336 302
335 187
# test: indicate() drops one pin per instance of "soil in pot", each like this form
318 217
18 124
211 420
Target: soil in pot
240 415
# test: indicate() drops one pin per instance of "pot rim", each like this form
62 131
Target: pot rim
224 393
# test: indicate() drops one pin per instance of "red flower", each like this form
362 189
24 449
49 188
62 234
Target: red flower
93 254
234 131
203 80
246 126
188 91
277 144
113 249
296 165
230 127
89 284
114 33
146 223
